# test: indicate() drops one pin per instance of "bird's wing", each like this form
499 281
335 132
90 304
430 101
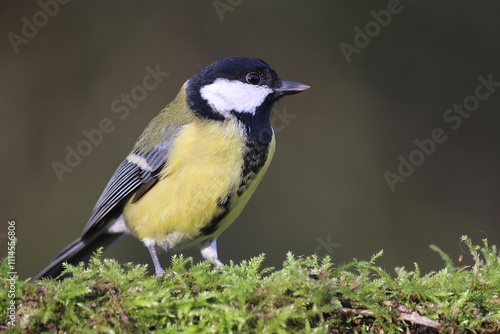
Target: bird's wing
135 176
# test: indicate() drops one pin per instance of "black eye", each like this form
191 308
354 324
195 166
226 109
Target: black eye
253 78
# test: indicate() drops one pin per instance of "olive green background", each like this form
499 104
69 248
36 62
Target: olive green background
326 185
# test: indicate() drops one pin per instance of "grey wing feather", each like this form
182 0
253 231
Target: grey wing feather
128 177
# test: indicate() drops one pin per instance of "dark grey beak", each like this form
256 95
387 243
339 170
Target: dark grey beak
290 87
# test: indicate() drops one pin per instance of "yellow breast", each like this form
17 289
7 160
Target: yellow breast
204 165
243 195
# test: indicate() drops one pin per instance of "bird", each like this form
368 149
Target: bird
193 169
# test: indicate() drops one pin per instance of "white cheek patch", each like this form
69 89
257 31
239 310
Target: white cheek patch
225 95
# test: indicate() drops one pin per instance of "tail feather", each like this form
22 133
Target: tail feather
78 251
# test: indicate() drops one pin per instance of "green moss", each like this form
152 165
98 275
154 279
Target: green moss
308 295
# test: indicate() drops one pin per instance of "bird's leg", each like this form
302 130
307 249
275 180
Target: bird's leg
152 251
209 252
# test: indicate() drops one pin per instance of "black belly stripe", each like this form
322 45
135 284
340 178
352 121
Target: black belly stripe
253 161
211 227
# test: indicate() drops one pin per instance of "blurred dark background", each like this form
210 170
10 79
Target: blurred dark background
325 192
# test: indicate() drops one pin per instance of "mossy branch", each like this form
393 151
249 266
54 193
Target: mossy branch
308 295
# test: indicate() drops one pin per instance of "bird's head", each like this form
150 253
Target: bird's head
245 88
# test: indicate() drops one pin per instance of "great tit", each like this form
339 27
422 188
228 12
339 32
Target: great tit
194 167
